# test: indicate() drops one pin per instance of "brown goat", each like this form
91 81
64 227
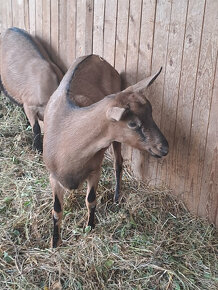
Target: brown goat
27 76
76 137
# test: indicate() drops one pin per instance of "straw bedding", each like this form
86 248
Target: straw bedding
148 241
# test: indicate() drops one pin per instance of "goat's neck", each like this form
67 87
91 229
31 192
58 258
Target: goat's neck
90 127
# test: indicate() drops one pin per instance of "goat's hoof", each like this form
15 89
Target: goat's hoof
55 243
37 145
38 148
92 226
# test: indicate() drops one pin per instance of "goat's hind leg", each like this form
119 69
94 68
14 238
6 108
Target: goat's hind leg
33 119
57 212
92 184
118 167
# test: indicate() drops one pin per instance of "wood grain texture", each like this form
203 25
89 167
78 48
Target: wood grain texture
89 27
110 30
32 17
171 84
3 16
146 39
71 31
84 23
46 23
134 24
202 104
133 41
121 35
159 55
208 202
9 12
186 95
39 18
18 13
123 8
54 30
144 70
26 15
80 28
98 27
62 35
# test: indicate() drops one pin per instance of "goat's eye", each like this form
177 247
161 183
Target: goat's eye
132 125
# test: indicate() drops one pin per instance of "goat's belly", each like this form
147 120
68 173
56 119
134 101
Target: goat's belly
70 181
11 95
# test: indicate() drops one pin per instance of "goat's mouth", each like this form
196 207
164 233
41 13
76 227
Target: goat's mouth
154 154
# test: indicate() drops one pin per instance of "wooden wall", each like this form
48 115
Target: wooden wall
137 37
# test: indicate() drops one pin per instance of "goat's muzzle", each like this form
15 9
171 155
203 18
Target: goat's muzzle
160 150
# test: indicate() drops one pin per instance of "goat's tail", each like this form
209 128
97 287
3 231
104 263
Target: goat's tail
2 89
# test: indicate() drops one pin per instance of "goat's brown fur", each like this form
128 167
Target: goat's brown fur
28 76
76 138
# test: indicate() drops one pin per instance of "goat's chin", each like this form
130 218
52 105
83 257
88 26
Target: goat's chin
154 154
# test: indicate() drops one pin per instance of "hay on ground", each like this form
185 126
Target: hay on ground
148 241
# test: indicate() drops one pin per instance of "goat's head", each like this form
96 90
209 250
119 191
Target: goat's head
131 114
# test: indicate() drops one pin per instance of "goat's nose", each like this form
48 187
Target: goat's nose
164 149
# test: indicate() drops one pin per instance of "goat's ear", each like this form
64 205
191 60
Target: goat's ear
140 86
115 113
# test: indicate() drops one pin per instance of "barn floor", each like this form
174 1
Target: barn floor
149 241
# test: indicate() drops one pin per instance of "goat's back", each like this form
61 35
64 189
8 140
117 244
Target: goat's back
92 80
27 73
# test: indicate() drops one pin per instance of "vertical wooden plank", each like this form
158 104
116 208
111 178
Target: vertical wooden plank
89 27
3 20
160 48
84 27
144 69
121 35
202 101
146 39
171 84
1 15
54 30
62 52
80 28
121 47
9 14
98 27
18 13
186 94
10 22
133 41
6 15
46 24
132 52
26 15
110 30
39 18
71 31
32 17
208 203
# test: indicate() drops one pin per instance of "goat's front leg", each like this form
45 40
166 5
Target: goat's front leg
118 167
57 212
92 184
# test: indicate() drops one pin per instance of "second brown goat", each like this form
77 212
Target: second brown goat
27 76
